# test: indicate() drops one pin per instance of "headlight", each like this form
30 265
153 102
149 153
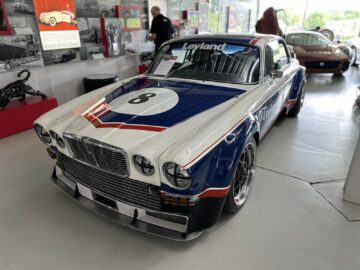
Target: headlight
178 176
42 133
143 165
59 141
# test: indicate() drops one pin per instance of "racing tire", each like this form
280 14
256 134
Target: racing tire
353 56
294 111
52 21
244 176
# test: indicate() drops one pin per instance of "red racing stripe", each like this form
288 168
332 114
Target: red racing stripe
254 41
214 193
95 121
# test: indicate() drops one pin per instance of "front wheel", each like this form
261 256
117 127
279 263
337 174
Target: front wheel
294 111
52 21
244 175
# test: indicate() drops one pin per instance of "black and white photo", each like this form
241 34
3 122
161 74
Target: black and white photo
91 38
113 37
19 7
61 56
18 52
23 25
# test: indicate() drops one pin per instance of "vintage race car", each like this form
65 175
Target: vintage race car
54 17
168 151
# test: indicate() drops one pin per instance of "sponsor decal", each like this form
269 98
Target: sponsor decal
205 46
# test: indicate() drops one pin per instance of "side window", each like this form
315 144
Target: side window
269 61
276 53
283 56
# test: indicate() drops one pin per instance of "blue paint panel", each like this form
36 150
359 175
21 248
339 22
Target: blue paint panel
217 168
295 88
193 99
264 114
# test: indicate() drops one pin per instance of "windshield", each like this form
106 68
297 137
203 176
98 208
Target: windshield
312 39
209 61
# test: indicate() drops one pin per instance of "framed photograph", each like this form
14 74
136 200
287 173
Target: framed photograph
4 22
111 36
19 52
130 16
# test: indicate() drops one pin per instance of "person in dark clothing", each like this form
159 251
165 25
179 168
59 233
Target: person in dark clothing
161 28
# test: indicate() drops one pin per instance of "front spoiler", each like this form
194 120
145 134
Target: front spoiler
121 218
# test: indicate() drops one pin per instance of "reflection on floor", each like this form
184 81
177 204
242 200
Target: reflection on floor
286 224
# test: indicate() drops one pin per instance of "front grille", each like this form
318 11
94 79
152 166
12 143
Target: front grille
98 154
322 64
110 185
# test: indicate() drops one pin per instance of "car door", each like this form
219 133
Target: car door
277 83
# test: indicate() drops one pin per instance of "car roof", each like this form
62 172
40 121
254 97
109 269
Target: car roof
303 32
243 38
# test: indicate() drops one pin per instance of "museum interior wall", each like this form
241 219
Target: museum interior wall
99 36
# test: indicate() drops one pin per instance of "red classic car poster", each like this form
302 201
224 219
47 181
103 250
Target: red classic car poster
57 24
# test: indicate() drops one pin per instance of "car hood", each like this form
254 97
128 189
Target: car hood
330 52
143 113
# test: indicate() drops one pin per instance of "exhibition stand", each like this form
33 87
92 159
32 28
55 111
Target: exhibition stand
20 116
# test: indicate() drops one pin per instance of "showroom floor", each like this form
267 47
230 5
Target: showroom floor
286 223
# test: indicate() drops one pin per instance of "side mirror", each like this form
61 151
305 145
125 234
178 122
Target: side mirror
291 51
276 74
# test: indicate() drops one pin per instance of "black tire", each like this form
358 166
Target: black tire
52 22
244 175
353 56
294 111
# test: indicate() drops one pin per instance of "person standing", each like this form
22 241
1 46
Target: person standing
161 28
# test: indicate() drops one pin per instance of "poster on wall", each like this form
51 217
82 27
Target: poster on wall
111 33
20 52
19 7
193 19
130 17
57 25
91 38
4 23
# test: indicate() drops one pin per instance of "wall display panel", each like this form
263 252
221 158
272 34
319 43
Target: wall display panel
57 24
19 52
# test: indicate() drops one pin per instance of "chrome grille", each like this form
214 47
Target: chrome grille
110 185
98 154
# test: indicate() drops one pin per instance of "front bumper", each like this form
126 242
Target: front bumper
130 216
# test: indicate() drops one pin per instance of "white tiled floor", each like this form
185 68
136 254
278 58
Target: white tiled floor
286 224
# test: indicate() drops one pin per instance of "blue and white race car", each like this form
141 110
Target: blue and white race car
168 151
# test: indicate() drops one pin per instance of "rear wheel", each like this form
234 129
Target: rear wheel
241 184
294 111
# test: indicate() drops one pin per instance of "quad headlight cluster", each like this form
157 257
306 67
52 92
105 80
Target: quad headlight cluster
47 136
59 140
177 175
44 136
143 165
